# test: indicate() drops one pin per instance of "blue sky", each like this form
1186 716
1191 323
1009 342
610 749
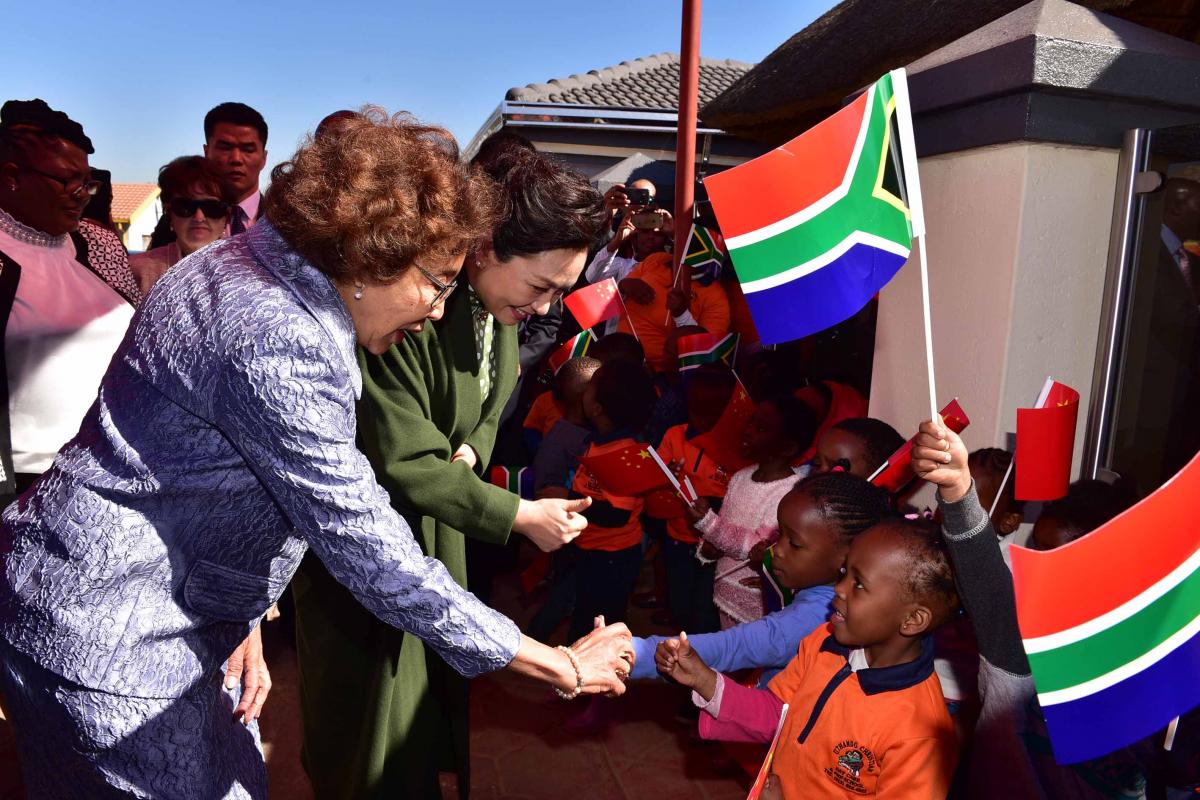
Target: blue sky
139 75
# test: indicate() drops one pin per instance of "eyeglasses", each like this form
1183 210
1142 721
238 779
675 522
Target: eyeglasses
86 185
212 209
443 288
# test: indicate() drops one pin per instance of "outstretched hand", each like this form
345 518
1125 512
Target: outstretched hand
550 523
676 659
940 457
606 658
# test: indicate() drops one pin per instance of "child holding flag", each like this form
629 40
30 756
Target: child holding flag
689 581
867 710
617 403
781 428
1011 754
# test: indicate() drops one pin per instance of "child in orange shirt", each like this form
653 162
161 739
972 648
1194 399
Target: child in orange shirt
617 403
690 582
866 712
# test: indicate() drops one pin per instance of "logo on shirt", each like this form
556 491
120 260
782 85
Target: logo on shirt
852 764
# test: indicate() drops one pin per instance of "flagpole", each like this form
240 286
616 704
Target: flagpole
685 143
933 409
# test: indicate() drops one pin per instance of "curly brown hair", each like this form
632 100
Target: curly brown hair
366 203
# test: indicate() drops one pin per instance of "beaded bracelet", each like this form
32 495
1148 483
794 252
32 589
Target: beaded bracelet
578 675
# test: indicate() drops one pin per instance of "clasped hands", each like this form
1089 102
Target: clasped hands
606 658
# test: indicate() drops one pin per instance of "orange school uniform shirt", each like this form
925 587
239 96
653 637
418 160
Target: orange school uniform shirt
875 732
599 537
708 304
709 478
543 413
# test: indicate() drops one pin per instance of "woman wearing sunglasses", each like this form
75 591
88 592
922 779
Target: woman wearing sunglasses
221 447
383 714
195 203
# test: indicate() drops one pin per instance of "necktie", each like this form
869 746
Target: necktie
238 224
484 335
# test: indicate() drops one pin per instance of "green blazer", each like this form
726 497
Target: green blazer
381 713
420 402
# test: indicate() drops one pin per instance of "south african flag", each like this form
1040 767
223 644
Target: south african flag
574 347
703 255
706 348
816 227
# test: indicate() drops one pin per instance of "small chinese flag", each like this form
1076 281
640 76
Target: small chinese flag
1045 442
664 503
626 470
594 304
723 442
896 473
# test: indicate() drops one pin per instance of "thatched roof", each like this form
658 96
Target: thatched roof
808 76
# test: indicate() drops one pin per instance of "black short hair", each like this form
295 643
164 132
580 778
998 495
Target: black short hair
235 114
1088 505
572 378
546 205
798 422
879 439
22 122
618 346
626 393
499 142
847 501
929 578
995 462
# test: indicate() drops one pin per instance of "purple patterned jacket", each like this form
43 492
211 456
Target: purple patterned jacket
220 447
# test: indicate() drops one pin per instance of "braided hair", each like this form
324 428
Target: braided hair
879 439
847 501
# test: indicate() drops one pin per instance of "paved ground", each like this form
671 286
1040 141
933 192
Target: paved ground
524 746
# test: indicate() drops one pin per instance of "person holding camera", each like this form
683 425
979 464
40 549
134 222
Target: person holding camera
639 230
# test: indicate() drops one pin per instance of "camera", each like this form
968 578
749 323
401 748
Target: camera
648 220
639 197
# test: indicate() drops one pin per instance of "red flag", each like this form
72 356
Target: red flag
723 442
1045 442
896 473
664 503
594 304
625 471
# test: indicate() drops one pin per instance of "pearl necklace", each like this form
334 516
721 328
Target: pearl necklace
23 233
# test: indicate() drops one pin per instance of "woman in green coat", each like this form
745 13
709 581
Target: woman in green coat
383 715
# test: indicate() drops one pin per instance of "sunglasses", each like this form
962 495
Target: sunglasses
212 209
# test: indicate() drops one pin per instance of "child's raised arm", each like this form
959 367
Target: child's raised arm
984 581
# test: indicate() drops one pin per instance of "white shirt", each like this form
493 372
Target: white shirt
62 332
250 206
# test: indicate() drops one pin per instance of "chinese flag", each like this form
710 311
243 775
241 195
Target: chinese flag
896 472
594 304
626 470
723 442
664 503
1045 442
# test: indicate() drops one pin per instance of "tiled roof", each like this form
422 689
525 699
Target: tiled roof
130 198
650 83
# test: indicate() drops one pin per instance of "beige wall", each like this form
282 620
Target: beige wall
1018 238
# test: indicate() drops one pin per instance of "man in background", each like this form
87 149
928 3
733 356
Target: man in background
235 139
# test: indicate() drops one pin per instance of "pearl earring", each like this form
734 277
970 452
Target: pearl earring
358 290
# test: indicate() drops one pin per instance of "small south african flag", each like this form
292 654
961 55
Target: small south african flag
518 480
706 348
703 255
574 347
